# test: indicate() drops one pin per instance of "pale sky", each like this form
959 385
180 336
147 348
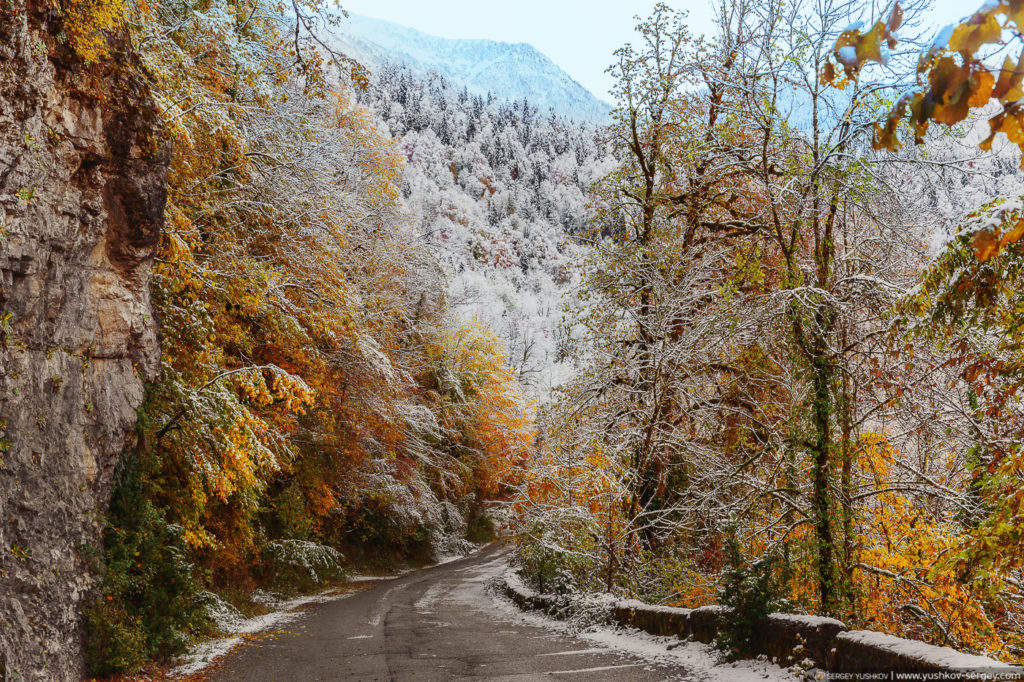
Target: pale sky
578 35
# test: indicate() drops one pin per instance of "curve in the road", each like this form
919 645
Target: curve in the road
436 624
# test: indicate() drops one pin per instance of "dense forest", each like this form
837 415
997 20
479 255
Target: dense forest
319 401
802 341
497 188
755 342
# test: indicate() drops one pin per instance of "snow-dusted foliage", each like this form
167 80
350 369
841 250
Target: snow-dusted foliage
225 616
496 188
952 179
310 560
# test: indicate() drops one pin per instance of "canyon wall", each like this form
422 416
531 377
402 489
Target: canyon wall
82 192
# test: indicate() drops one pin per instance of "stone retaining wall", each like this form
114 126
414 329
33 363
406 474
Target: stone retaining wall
790 638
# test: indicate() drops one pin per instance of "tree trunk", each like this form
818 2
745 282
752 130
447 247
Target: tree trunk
822 410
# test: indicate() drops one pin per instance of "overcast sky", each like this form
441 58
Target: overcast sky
578 35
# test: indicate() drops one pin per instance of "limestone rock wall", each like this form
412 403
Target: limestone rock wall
82 192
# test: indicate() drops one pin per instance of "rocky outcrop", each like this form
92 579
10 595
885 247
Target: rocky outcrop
82 191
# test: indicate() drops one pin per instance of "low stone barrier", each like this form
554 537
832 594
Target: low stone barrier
792 638
700 624
863 652
525 598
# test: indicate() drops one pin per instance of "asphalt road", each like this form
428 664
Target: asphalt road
434 624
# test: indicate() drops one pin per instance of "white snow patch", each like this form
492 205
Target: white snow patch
847 55
224 615
371 578
448 558
804 619
376 618
575 652
207 652
595 670
513 580
637 605
425 604
699 659
511 71
941 41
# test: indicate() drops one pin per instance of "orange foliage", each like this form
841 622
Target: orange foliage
88 23
900 587
298 312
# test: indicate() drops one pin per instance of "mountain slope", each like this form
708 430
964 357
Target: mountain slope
497 191
509 71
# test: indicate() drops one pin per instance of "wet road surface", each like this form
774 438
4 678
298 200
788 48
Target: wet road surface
436 624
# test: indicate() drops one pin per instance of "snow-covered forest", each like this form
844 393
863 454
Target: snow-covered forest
499 191
798 388
754 340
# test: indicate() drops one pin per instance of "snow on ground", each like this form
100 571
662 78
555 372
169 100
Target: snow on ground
448 558
375 578
231 621
237 627
699 660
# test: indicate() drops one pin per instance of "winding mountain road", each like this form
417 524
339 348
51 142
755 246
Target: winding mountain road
436 624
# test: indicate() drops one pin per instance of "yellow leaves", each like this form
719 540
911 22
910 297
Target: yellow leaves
695 591
876 455
380 160
869 45
981 28
287 391
885 135
1008 86
287 285
496 413
894 21
955 88
1006 238
828 76
952 79
985 244
853 49
293 393
1004 227
900 543
174 251
197 538
88 22
981 88
1008 122
252 386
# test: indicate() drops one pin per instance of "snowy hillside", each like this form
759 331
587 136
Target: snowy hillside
497 190
508 71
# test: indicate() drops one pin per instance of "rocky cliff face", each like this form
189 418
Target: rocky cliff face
82 191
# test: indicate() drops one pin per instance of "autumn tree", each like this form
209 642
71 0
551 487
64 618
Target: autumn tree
732 316
965 304
317 389
644 287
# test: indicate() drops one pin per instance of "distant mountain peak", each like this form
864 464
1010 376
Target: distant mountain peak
512 71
